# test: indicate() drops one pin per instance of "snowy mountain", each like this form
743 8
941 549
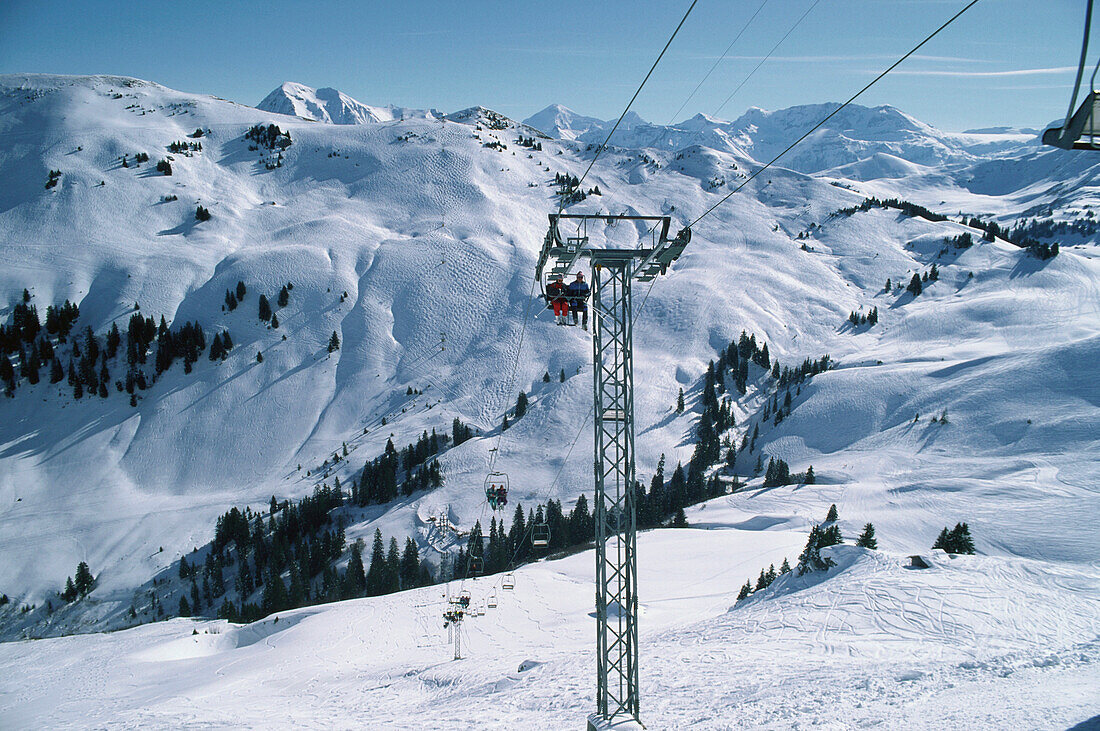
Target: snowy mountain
331 106
415 242
564 123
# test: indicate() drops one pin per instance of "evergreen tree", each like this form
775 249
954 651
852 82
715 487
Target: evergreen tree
376 574
785 568
504 425
810 478
240 291
811 558
393 567
581 525
275 598
196 600
521 405
561 376
546 377
185 608
274 321
680 402
832 516
70 590
333 342
84 581
265 308
355 580
746 591
679 520
185 570
867 537
284 296
410 564
915 287
963 542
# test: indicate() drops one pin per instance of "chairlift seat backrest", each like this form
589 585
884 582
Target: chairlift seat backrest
1083 129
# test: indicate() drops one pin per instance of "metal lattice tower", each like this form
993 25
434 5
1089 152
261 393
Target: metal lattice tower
613 271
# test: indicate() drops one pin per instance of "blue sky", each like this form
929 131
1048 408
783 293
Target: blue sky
1005 62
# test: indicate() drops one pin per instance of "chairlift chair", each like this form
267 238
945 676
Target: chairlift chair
1081 129
540 535
508 582
477 564
491 602
496 490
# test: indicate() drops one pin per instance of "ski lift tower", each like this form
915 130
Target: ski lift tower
613 271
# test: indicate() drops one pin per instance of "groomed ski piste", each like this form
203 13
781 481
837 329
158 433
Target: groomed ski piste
430 232
973 642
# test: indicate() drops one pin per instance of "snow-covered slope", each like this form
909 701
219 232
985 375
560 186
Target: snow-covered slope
431 227
974 642
331 106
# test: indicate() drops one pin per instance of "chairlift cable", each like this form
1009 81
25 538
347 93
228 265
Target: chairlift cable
829 116
764 60
720 60
600 149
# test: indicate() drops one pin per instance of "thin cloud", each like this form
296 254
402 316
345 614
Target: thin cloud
842 59
986 74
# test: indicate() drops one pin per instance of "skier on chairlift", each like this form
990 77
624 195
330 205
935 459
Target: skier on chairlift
578 299
556 292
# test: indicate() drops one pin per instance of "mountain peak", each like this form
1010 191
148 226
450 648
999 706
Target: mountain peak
330 105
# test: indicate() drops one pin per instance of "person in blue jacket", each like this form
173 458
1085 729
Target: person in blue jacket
578 292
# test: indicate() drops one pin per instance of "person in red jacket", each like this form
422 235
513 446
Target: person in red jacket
556 293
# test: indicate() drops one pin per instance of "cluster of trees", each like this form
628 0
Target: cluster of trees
529 142
821 536
764 580
1027 233
164 167
78 587
957 540
220 347
233 297
505 549
909 209
964 240
389 570
717 417
264 311
269 137
138 159
379 481
185 148
916 284
202 214
1043 251
302 541
51 181
460 432
859 318
90 356
186 343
